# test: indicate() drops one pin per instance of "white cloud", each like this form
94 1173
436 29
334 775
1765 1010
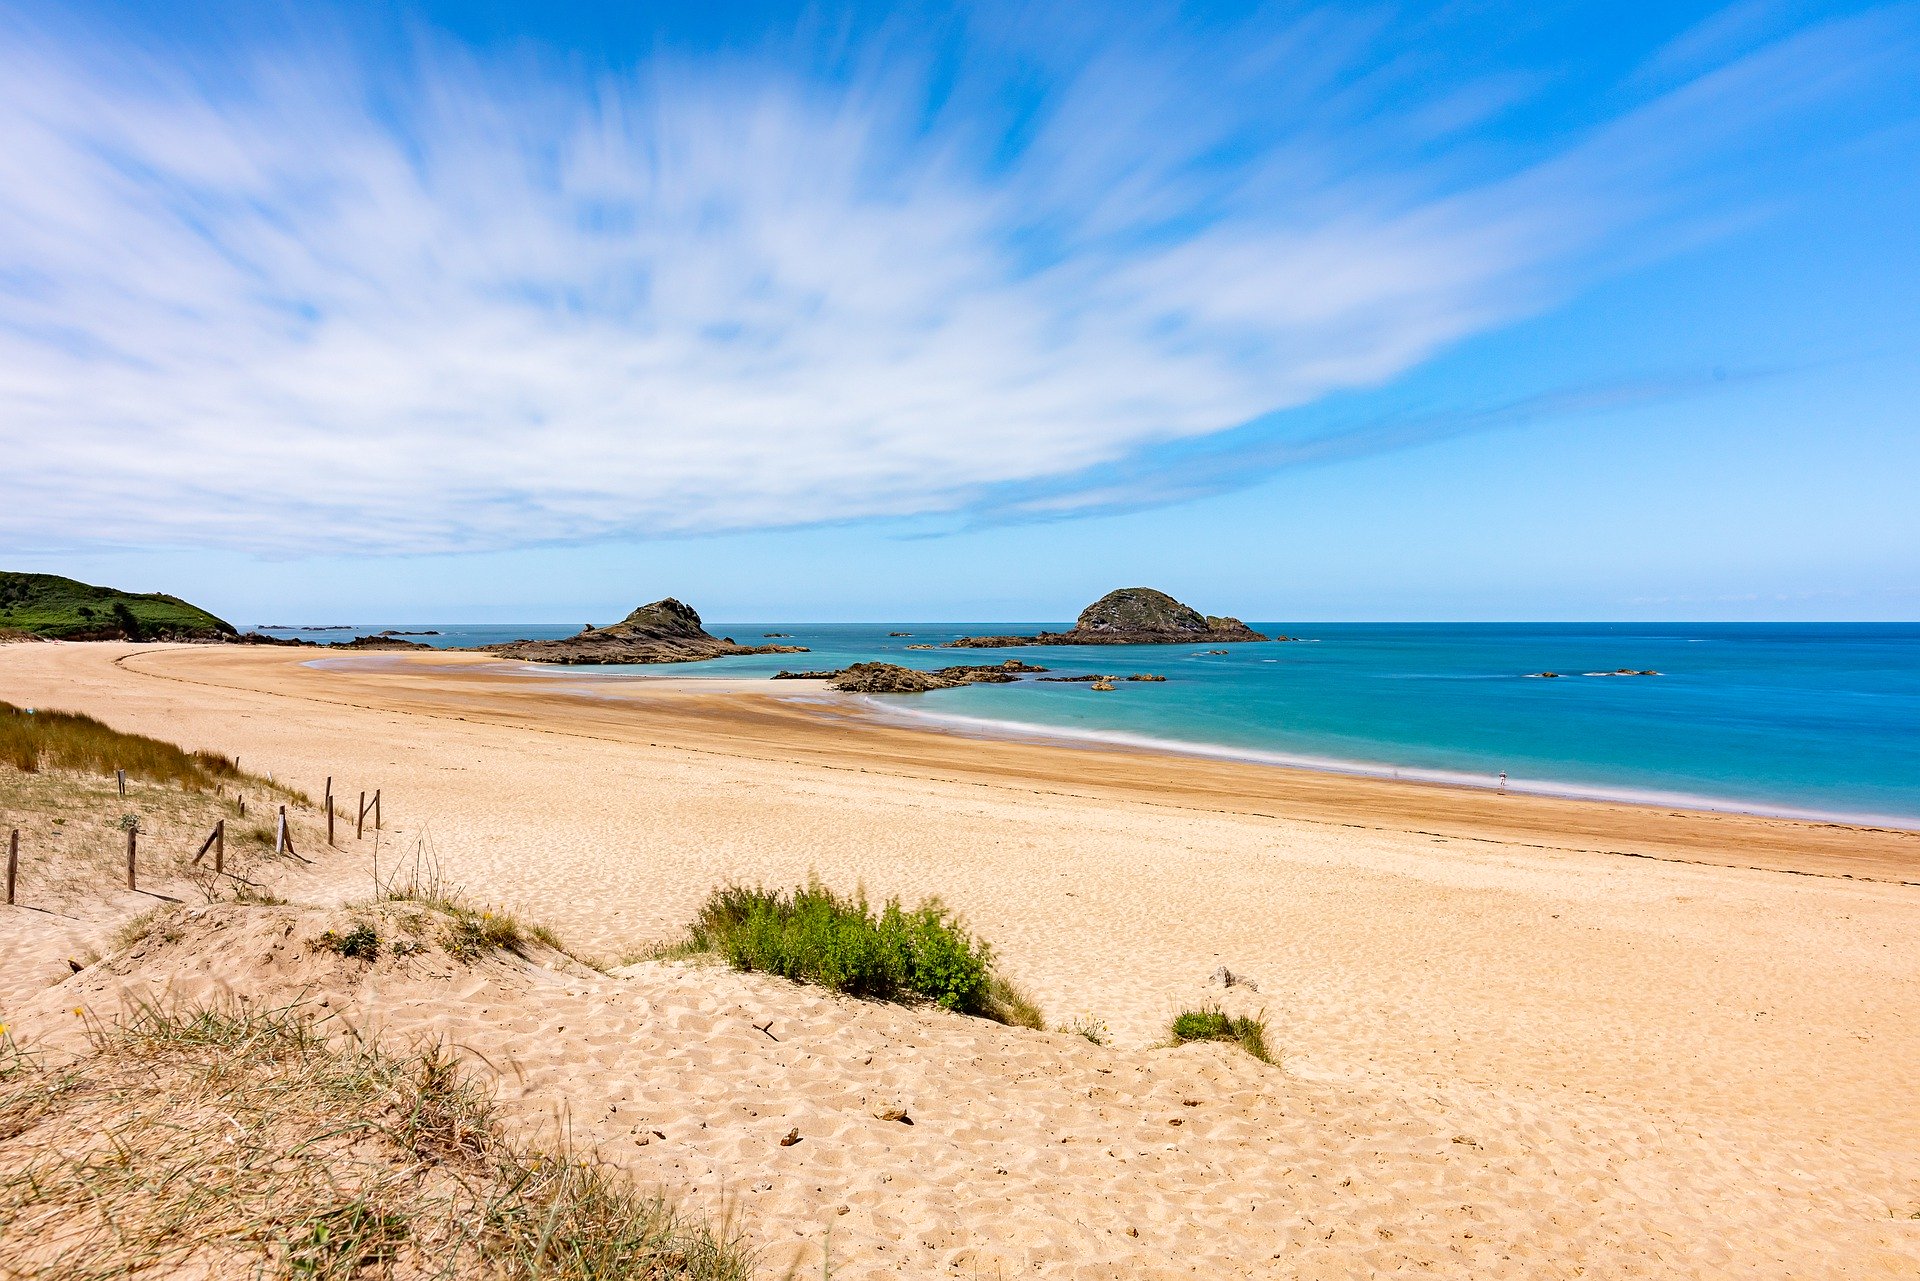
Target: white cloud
479 304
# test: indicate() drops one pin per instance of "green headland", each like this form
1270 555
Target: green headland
57 608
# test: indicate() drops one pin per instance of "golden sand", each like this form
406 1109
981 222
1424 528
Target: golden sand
1508 1049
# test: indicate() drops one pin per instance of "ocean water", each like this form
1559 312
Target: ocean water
1806 718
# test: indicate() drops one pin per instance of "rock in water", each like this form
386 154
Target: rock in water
891 678
1130 616
888 678
666 631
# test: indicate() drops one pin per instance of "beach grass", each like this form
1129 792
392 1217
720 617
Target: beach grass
1088 1027
469 932
1214 1024
73 828
40 739
228 1141
814 935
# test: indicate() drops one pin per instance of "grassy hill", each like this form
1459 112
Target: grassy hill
62 609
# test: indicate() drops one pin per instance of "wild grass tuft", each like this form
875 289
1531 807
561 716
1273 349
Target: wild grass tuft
1089 1027
41 739
1214 1024
157 919
1007 1003
814 935
223 1141
470 932
361 943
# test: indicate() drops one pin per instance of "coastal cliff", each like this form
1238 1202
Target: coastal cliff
666 631
1130 616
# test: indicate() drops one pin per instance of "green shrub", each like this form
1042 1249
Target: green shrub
1214 1024
813 935
361 942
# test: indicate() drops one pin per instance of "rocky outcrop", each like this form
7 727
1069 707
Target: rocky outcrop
887 678
384 640
1096 678
663 632
1130 616
891 678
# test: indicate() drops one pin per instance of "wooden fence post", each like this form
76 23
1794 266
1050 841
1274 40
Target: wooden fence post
218 836
220 847
329 809
13 863
360 823
121 776
376 809
132 834
280 841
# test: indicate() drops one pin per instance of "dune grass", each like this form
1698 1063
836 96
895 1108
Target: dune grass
813 935
50 740
469 932
231 1142
1214 1024
1088 1027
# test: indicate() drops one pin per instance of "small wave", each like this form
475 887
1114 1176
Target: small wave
986 727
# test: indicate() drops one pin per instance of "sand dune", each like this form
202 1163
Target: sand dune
1498 1059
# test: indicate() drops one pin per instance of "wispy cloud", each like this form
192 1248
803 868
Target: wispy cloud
298 294
1242 456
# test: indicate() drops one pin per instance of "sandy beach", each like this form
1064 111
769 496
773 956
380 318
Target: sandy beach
1519 1035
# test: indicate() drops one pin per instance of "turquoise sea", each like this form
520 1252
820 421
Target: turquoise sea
1806 718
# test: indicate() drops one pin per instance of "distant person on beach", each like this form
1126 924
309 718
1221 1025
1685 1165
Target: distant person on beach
1503 780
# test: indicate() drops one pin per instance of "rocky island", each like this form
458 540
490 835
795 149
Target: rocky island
1130 616
666 631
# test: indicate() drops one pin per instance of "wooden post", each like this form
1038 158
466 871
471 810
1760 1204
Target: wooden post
360 824
218 836
329 809
220 847
13 863
243 804
376 809
132 834
121 776
280 841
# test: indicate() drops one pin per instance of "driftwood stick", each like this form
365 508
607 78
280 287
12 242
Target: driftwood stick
206 844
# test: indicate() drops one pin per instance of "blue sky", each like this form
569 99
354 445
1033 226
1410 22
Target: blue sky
492 312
